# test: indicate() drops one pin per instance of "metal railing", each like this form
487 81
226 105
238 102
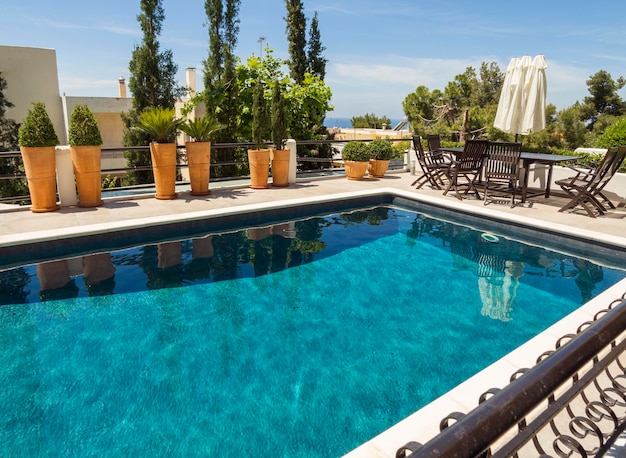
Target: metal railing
572 403
324 165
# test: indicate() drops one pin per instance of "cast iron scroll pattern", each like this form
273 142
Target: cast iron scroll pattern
581 417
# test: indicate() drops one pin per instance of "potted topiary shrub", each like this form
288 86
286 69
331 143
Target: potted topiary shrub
85 146
37 140
356 158
259 158
198 151
381 153
161 125
279 155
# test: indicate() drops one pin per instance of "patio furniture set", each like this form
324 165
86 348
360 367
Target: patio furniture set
501 171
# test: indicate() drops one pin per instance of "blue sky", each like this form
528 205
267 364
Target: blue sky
378 51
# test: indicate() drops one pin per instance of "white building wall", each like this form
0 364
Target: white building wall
31 76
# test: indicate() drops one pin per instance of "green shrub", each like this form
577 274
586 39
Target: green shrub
355 151
160 124
613 135
37 129
83 129
201 129
380 149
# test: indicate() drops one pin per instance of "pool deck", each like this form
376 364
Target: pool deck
22 227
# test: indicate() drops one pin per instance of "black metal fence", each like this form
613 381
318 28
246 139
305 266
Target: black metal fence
307 165
572 403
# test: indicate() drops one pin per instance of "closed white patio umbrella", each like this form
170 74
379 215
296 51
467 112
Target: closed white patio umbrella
535 89
521 108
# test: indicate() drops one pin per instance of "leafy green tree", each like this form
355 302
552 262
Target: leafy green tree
306 104
604 99
152 83
614 135
315 59
296 35
9 142
370 121
424 108
467 106
571 129
489 85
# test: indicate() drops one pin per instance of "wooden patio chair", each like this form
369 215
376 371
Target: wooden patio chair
501 171
434 142
467 166
585 188
433 166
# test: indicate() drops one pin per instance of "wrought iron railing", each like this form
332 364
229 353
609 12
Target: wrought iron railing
571 403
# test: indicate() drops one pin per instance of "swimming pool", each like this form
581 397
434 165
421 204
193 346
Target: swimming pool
300 338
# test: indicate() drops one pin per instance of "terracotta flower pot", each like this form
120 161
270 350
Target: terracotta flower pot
280 167
355 170
87 170
377 168
164 168
199 161
259 160
40 167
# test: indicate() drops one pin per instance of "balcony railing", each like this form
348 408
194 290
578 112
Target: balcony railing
572 403
314 165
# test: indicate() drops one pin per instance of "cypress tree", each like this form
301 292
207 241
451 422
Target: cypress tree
296 35
220 94
316 61
152 83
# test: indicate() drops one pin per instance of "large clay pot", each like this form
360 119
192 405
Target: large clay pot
377 168
355 170
87 170
41 174
280 167
164 169
199 161
259 160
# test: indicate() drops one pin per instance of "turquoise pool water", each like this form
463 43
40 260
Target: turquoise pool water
304 339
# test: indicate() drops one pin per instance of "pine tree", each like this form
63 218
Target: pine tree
296 35
152 83
316 62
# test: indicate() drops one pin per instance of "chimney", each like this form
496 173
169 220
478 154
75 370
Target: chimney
191 81
122 85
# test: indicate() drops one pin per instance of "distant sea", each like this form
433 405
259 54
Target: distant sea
345 122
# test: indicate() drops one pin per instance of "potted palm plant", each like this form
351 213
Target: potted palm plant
37 140
161 125
198 151
381 153
85 146
279 155
356 158
259 158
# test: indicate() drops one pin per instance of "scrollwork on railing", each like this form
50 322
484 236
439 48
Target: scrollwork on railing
571 403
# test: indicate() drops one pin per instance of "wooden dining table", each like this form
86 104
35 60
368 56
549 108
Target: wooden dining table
527 159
